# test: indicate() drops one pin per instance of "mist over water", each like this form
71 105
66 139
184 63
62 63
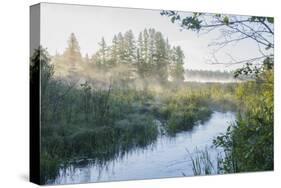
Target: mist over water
205 76
205 80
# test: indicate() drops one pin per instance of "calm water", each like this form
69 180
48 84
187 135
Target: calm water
168 157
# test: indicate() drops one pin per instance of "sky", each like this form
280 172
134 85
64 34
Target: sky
91 23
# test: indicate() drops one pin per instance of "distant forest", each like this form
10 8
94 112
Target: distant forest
211 76
150 57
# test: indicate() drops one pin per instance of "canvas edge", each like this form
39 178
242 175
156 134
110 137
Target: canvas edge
34 99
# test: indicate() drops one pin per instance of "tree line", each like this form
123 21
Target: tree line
150 56
206 74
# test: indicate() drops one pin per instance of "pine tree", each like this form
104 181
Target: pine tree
140 46
168 49
161 58
130 47
141 64
145 45
121 48
72 52
151 46
176 66
114 58
151 56
103 51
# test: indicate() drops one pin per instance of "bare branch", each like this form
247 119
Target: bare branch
235 62
268 28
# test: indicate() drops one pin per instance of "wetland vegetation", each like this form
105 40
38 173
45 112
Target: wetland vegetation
98 108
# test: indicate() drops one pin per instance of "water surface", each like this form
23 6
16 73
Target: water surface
167 157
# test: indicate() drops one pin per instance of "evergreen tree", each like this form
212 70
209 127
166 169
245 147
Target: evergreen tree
160 58
176 66
145 45
151 47
72 52
130 47
140 59
121 48
151 56
140 46
114 58
103 51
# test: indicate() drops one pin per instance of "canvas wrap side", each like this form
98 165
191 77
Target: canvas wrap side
34 142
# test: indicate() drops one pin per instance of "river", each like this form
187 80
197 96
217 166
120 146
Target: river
167 157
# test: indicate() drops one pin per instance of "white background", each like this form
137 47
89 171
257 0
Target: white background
14 96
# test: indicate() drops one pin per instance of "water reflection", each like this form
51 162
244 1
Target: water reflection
167 157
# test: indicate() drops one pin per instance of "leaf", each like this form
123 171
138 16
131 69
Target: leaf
270 19
173 19
226 20
253 18
228 129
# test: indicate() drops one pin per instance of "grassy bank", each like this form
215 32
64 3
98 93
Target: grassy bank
104 120
248 142
104 123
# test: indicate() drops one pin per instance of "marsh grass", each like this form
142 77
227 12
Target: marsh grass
104 119
204 164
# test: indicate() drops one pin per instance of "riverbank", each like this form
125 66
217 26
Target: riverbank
102 124
167 157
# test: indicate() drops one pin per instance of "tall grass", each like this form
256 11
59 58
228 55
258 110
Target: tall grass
204 164
104 120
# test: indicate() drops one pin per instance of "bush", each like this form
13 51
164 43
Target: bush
248 143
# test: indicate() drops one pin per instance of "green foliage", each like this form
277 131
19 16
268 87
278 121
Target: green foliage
103 121
248 143
176 66
254 71
72 52
226 20
89 121
48 167
270 19
189 104
184 117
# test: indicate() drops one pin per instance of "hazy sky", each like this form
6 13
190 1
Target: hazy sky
91 23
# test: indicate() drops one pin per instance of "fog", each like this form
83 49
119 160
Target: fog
204 80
